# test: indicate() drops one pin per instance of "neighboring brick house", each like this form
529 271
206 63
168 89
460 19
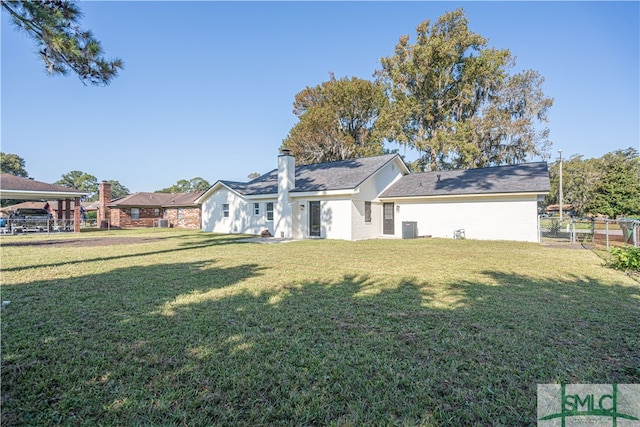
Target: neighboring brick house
152 210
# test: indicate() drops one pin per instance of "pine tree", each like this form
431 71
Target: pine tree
62 44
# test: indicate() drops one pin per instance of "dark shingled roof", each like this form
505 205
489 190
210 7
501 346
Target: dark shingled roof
157 200
18 183
523 178
340 175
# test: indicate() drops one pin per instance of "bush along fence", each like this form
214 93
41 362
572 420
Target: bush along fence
597 231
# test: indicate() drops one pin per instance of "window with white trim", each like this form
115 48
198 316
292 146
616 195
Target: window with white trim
256 209
367 211
135 213
225 210
269 211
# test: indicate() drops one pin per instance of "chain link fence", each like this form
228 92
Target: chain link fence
19 226
593 231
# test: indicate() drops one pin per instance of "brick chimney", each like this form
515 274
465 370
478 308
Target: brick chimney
104 213
283 212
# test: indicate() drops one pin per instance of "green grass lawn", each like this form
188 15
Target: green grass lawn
188 328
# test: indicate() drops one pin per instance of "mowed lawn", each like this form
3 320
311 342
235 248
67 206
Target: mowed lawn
198 329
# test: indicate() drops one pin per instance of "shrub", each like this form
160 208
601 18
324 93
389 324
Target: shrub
627 259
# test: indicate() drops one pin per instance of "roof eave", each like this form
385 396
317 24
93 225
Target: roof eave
35 195
132 205
318 193
215 187
471 195
261 196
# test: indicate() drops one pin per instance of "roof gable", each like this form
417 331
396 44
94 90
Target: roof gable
342 175
522 178
339 175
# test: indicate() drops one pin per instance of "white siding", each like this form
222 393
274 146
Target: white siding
485 218
369 191
241 215
300 209
366 230
335 219
383 178
283 215
335 212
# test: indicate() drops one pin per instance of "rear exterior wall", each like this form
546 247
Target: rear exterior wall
190 217
483 218
183 217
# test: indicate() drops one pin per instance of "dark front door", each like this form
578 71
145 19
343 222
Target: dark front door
387 219
314 219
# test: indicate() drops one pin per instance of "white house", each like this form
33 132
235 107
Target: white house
497 203
337 200
377 197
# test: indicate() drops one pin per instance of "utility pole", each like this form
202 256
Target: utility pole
560 189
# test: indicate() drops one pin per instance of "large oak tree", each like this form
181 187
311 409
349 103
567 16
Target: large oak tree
453 99
336 121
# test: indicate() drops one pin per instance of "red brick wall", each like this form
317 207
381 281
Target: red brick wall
104 197
148 218
114 216
190 217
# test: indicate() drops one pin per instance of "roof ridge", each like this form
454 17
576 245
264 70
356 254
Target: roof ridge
346 160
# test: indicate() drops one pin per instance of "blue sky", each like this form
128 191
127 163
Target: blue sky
208 87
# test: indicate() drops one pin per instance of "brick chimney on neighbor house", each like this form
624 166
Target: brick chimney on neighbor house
104 213
283 212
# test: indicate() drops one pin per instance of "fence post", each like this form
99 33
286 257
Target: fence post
539 229
573 233
606 232
76 215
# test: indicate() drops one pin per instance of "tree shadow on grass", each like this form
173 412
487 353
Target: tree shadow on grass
187 244
211 350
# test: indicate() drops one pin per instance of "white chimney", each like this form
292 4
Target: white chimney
283 212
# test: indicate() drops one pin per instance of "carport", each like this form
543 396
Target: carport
19 188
